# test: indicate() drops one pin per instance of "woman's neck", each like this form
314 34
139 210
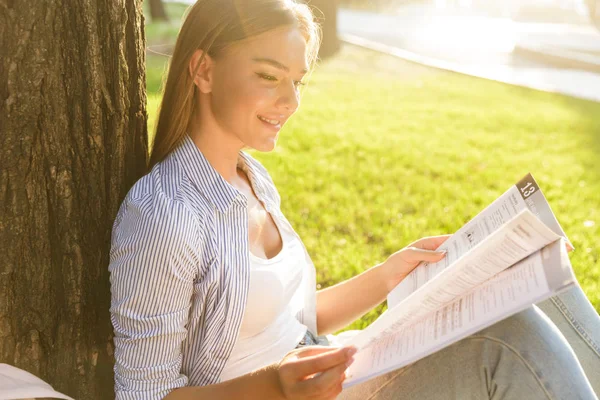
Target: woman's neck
220 149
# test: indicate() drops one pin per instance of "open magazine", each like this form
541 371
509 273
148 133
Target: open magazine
511 255
16 383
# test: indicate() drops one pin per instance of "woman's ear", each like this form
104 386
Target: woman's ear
201 74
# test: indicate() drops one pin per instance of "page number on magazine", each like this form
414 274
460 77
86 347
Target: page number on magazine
528 190
527 187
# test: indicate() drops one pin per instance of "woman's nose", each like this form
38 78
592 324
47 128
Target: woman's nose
289 97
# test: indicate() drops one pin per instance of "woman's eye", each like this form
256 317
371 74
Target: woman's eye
267 77
272 78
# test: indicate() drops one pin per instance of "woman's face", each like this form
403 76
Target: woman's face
255 86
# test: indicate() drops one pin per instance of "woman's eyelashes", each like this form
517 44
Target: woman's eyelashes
274 79
267 77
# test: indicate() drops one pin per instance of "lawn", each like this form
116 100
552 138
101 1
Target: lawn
383 152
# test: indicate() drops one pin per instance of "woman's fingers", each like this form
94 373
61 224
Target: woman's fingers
320 362
415 254
315 376
324 383
312 350
336 389
569 247
430 242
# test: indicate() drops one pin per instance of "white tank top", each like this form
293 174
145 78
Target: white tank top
269 330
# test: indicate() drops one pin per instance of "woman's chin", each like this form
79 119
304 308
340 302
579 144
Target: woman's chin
266 145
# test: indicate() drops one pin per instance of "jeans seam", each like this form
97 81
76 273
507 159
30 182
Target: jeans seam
518 355
562 308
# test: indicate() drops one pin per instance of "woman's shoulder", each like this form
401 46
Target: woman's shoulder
165 192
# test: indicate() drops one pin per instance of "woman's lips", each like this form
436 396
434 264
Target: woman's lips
273 124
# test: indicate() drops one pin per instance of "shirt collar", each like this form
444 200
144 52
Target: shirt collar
206 178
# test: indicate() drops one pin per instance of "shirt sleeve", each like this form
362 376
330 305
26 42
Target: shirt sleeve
152 270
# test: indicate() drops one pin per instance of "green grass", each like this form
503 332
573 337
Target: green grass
383 152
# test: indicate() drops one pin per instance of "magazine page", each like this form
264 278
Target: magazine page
521 236
537 277
16 383
525 195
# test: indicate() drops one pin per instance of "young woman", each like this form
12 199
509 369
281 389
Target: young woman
213 292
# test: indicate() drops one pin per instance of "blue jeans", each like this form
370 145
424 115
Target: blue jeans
549 351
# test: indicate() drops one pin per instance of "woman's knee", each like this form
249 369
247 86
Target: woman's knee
534 341
527 331
473 368
523 356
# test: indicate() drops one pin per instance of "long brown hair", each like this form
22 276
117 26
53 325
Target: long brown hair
213 25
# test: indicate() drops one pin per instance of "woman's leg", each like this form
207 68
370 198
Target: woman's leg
522 357
574 315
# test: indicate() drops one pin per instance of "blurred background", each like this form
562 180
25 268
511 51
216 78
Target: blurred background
421 113
546 44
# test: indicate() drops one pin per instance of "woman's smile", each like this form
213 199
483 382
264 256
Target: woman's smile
273 124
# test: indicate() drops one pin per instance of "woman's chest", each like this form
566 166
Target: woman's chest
264 236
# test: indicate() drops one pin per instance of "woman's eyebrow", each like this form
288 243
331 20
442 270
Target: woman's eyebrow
276 64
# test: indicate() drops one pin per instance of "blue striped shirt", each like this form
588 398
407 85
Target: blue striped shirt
180 273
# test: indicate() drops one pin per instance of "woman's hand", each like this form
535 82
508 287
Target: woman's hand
401 263
297 370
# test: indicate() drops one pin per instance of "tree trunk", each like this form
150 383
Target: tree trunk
73 141
157 11
325 12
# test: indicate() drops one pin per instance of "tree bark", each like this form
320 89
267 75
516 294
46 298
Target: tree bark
74 140
325 12
157 11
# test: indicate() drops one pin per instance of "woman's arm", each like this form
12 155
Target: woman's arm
341 304
311 372
151 276
259 385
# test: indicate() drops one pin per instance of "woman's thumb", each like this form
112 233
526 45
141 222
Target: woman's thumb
416 254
